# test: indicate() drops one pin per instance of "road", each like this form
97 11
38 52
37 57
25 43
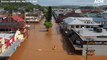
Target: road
43 45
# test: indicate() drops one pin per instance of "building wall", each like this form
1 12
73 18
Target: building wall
0 50
18 36
98 49
102 22
3 48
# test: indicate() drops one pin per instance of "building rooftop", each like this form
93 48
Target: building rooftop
11 24
70 21
94 32
90 33
6 35
79 21
17 18
90 14
88 18
99 19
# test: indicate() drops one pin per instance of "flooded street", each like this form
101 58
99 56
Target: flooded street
40 45
43 45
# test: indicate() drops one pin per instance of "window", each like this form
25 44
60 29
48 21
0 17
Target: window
105 43
78 42
98 43
95 43
91 43
5 29
72 26
92 27
85 22
87 26
82 26
77 26
88 22
101 36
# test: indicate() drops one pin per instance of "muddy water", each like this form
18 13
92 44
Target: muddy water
42 45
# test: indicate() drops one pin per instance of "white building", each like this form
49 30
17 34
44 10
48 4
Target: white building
84 31
6 38
78 11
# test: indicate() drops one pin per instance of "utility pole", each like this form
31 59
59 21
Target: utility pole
87 51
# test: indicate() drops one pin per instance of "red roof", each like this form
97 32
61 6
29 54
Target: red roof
17 18
73 15
0 37
86 11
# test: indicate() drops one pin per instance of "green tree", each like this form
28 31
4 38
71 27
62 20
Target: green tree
10 8
48 15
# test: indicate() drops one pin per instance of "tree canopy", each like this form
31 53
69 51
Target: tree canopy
48 14
16 6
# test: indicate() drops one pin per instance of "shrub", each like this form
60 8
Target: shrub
48 24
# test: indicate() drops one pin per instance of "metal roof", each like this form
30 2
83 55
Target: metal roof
99 19
88 32
6 35
11 24
79 21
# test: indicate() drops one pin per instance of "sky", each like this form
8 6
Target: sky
67 2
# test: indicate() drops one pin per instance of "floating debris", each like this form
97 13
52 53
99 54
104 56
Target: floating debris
54 47
39 49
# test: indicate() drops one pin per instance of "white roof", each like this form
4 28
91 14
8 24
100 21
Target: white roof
68 20
79 21
6 35
105 11
78 11
76 22
90 33
72 21
83 18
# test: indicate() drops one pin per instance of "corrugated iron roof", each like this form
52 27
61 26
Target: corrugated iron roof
17 18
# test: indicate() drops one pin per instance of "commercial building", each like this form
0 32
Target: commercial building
13 31
85 35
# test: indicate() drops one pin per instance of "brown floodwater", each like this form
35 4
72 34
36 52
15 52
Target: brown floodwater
43 45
